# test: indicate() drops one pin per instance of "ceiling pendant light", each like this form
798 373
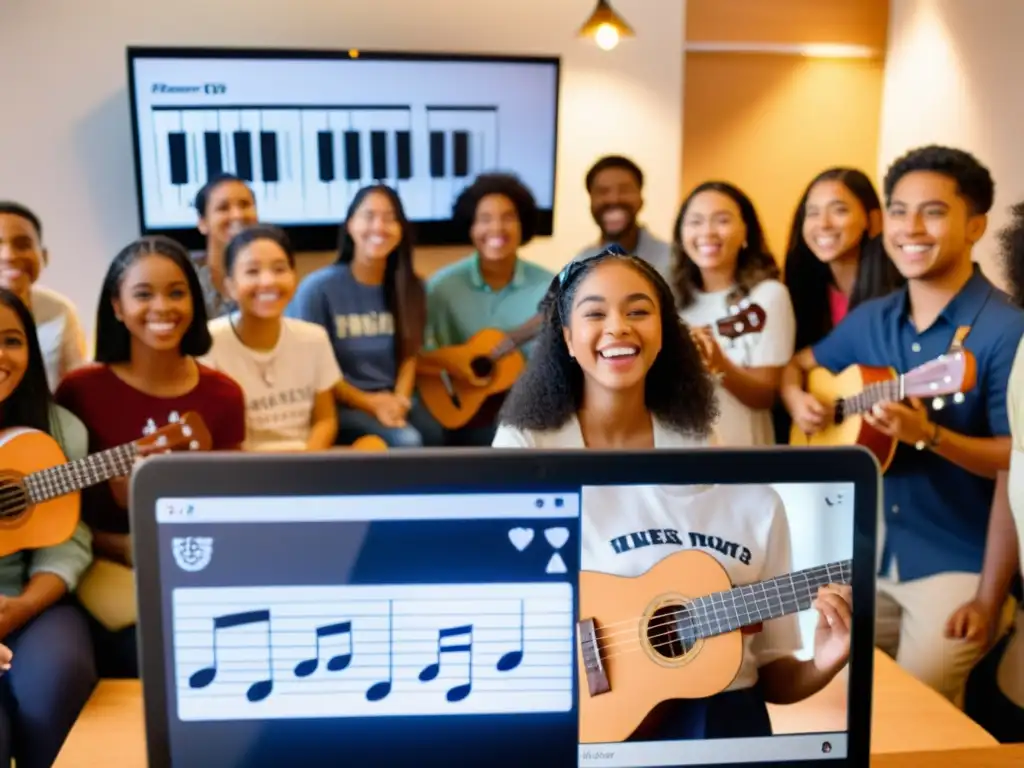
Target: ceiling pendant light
605 27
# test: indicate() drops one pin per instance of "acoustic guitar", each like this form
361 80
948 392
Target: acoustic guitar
857 389
40 489
676 632
455 381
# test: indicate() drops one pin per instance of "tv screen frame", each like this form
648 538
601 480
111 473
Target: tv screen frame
324 237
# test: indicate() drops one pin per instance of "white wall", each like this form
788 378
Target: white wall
952 77
65 140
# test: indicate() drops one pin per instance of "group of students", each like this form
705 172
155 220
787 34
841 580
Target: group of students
627 355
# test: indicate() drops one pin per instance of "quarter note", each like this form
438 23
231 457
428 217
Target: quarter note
513 659
380 690
259 690
337 662
431 671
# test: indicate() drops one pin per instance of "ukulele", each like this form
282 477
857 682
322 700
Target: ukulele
859 388
676 632
454 381
40 498
746 317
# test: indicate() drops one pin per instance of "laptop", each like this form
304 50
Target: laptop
468 608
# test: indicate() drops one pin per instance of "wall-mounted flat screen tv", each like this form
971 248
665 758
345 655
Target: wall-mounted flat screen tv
307 129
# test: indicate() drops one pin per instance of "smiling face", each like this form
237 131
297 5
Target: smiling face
21 254
374 228
230 208
496 231
713 231
614 330
13 352
835 221
929 228
262 280
615 201
154 302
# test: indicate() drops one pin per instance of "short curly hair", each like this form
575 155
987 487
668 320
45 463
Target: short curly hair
679 391
505 184
973 180
1011 242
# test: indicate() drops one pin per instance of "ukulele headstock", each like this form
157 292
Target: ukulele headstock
746 317
949 374
188 433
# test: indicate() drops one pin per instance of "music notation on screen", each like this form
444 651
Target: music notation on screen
326 651
305 162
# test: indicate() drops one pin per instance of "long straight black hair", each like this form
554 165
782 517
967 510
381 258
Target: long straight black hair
404 295
30 404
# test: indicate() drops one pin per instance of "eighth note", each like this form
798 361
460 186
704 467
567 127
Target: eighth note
337 662
431 671
513 659
259 690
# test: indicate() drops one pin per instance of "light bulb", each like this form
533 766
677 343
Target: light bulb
607 37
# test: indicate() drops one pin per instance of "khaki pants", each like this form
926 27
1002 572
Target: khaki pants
910 626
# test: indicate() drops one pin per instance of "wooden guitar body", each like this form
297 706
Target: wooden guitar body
369 443
475 373
640 675
23 524
852 429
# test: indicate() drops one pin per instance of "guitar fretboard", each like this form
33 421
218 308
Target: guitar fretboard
75 475
723 612
871 395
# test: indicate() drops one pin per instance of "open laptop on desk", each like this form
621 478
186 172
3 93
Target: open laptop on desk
426 608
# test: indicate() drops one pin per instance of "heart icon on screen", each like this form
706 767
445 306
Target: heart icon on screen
520 537
556 537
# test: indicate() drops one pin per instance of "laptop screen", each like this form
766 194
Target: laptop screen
492 628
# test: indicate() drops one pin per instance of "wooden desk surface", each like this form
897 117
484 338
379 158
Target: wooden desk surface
910 724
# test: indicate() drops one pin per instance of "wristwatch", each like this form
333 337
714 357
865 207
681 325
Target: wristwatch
933 442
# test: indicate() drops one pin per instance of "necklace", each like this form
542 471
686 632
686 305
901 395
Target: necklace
263 369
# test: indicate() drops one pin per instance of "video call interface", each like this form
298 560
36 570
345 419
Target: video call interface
501 629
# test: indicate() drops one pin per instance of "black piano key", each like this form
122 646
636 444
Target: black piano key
437 155
403 154
352 166
325 153
379 154
243 155
460 153
179 159
214 161
268 155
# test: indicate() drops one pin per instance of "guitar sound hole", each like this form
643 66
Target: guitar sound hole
13 499
838 412
481 367
667 631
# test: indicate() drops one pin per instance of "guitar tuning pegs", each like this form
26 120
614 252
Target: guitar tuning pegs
938 404
186 430
958 398
194 445
150 427
173 417
161 441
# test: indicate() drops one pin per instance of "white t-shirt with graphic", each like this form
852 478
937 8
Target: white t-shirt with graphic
280 385
738 425
627 530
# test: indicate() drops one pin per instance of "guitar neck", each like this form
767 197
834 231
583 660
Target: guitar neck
518 336
75 475
879 392
724 612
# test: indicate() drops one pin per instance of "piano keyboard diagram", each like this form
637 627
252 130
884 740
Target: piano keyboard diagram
305 163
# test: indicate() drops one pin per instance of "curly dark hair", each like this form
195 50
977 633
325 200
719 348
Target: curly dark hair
754 263
505 184
973 180
808 279
1011 242
678 389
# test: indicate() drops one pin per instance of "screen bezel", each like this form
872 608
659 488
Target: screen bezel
325 237
497 470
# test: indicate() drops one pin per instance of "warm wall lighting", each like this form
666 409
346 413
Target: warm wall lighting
605 27
810 50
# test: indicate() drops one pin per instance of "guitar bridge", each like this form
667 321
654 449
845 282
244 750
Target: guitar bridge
597 678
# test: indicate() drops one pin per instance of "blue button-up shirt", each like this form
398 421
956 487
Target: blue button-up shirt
936 513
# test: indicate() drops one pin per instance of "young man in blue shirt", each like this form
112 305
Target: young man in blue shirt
939 488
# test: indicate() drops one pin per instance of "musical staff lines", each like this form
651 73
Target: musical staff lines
245 653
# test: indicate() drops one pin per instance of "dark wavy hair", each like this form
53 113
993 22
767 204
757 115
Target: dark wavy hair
973 180
404 294
1011 246
250 235
506 185
754 263
31 403
202 200
678 390
113 340
808 278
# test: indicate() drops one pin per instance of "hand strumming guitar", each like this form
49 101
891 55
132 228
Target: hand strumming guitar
710 352
832 633
907 423
389 408
807 412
